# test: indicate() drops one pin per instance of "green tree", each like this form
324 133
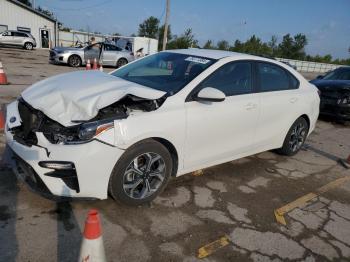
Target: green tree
223 45
45 12
149 27
161 34
184 41
293 48
26 2
273 45
208 45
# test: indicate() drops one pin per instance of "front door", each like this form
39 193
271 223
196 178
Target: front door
219 131
44 38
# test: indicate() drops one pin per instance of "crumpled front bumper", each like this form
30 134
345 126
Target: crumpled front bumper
93 161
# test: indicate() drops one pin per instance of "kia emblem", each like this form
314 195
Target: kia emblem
13 119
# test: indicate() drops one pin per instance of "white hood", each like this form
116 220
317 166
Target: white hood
79 95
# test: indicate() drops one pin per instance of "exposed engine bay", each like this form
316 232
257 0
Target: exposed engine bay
34 120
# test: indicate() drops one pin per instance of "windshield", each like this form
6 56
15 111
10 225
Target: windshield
165 71
338 74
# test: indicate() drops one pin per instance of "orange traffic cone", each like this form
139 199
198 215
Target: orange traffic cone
88 65
92 248
2 120
3 78
94 66
101 67
345 162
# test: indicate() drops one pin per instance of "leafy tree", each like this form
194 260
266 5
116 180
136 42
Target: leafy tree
149 27
26 2
223 45
45 12
161 34
293 48
208 45
184 41
273 45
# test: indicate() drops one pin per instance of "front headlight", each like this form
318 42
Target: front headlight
89 130
345 100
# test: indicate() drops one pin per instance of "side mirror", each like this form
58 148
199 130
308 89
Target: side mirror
210 94
319 77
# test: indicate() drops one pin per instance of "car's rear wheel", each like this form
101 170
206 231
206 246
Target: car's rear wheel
121 62
295 138
28 46
141 173
74 61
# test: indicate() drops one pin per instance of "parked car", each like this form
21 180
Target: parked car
88 133
109 54
17 38
335 93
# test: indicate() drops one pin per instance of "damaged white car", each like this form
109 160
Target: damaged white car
87 133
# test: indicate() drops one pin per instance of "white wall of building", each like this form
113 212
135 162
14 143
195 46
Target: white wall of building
15 16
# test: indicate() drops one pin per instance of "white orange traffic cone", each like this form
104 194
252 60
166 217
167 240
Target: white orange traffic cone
101 67
3 78
92 248
2 120
345 162
94 66
88 65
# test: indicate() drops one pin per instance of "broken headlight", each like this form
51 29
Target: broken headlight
345 100
89 130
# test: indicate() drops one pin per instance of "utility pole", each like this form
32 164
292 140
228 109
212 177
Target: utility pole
166 24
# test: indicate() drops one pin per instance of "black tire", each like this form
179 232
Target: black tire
119 177
28 46
74 61
295 138
121 62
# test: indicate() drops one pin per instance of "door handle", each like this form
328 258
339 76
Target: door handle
250 106
293 100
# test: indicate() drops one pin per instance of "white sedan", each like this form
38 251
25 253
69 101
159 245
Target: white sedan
88 133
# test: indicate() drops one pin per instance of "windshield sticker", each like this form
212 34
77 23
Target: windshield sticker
197 60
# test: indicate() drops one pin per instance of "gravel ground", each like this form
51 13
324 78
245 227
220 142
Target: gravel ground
236 199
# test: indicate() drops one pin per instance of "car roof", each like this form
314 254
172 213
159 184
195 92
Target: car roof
212 53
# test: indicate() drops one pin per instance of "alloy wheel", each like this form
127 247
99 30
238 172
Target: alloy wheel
297 137
144 175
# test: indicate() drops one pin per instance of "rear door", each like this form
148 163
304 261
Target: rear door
280 100
110 54
18 38
219 131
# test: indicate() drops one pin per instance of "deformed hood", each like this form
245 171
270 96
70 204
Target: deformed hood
80 95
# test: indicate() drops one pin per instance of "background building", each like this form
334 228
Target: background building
17 16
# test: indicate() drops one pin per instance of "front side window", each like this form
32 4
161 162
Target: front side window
274 78
19 34
108 47
165 71
234 78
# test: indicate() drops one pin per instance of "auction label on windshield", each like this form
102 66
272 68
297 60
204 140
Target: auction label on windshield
197 60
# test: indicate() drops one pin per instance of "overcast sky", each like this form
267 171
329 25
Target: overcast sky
326 23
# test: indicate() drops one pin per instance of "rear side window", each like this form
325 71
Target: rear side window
274 78
233 78
19 34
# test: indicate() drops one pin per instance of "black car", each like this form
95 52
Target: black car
335 93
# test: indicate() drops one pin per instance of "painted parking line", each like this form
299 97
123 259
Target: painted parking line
213 247
280 212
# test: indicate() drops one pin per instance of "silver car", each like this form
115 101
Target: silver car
18 38
109 54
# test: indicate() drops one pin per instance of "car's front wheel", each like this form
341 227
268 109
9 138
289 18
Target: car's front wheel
295 138
74 61
141 173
